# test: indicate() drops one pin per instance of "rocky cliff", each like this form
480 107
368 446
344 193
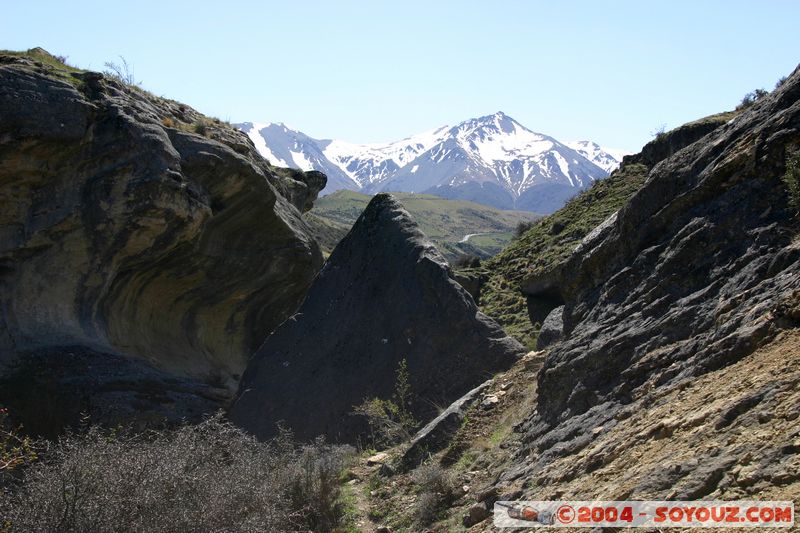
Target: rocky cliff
700 269
384 295
519 285
136 226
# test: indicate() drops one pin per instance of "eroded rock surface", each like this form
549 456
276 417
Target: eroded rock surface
696 272
384 295
136 226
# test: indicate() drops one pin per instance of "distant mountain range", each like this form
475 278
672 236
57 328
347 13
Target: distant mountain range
492 160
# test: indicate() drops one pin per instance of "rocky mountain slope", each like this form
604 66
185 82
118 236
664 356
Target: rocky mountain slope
548 245
675 376
134 226
697 271
456 227
384 296
492 160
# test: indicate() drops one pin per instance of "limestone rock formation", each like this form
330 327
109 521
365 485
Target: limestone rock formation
136 226
700 269
384 295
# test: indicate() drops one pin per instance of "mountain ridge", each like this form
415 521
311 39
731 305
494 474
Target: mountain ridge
492 160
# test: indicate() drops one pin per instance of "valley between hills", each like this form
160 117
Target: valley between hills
193 339
458 228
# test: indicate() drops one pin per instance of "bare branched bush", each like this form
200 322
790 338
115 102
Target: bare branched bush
659 132
16 450
208 477
121 71
437 491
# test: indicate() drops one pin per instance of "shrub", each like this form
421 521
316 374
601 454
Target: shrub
167 122
312 482
522 227
751 98
792 179
426 509
208 477
437 491
15 449
390 421
200 128
467 261
659 132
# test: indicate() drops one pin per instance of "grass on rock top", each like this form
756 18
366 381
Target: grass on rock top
548 243
55 66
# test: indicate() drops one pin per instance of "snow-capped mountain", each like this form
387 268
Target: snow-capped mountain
606 158
491 160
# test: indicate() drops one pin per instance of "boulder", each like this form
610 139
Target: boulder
437 434
124 230
377 459
489 402
552 328
472 281
385 295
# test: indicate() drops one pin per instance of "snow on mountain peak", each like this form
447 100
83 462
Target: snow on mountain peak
491 159
606 158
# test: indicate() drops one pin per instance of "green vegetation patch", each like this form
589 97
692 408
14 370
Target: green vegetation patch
548 243
55 66
792 179
445 222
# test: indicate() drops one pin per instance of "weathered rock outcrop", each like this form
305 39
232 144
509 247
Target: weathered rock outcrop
136 226
698 270
552 328
384 295
668 143
544 283
438 433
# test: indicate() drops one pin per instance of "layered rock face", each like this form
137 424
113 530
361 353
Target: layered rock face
136 226
384 295
700 269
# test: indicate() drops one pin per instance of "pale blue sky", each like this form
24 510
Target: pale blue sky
375 71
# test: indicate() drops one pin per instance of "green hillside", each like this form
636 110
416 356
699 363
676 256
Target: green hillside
552 240
445 222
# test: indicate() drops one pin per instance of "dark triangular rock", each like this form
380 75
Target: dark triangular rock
384 295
